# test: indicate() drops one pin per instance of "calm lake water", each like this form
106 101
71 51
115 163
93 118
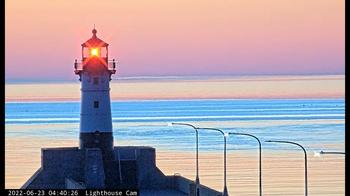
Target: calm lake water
315 123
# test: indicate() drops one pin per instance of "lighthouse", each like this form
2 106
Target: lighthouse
95 73
97 163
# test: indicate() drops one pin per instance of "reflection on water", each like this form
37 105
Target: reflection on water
316 124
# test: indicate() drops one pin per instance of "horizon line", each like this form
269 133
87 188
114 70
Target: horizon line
165 77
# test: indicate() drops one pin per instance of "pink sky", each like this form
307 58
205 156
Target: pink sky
177 37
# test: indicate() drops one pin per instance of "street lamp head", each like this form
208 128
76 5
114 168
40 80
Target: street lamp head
226 134
170 124
232 133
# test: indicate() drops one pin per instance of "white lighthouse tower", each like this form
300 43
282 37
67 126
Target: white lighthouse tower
97 163
95 73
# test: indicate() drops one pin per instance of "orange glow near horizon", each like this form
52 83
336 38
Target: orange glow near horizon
249 87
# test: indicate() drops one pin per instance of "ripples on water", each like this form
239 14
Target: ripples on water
314 123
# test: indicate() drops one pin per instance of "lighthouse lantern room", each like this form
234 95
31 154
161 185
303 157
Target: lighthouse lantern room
95 73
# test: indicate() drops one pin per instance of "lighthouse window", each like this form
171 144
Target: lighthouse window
96 81
96 104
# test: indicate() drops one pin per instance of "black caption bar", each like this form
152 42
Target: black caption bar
71 192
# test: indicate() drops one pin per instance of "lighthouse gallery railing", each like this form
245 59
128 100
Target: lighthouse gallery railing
111 66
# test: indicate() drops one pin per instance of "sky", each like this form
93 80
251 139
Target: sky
176 37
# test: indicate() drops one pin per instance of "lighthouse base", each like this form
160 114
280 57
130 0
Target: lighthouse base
134 167
102 140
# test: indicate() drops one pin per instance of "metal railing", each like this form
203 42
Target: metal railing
78 66
111 65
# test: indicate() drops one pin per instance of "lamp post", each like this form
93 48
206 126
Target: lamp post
260 165
225 192
305 158
197 165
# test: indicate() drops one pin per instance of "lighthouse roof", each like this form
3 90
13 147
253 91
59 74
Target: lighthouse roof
94 41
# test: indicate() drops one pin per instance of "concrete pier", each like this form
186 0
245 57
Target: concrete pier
134 167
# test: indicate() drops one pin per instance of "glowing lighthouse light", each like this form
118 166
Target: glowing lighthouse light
94 52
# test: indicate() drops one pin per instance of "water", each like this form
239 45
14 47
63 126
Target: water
315 123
